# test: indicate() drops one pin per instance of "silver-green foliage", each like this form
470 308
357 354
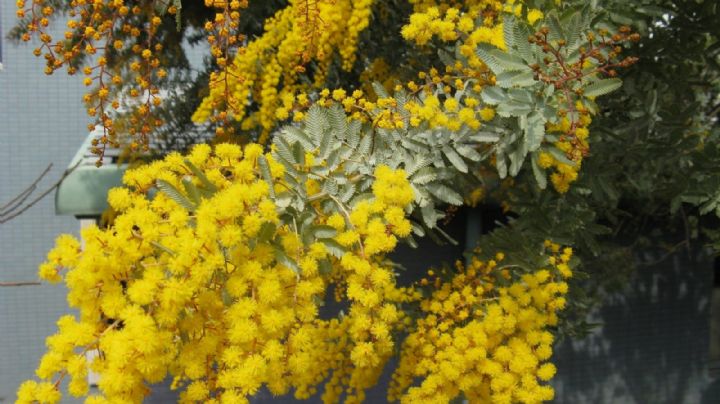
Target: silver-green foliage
525 105
348 151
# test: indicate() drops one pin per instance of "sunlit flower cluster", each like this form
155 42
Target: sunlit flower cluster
225 297
218 266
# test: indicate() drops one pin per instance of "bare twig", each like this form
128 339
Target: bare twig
15 207
670 251
27 283
22 196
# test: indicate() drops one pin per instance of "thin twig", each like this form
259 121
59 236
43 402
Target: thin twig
667 254
21 197
27 283
6 216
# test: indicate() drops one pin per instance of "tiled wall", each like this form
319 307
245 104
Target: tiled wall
653 345
41 122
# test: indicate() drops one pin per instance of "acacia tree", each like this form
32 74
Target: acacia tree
343 128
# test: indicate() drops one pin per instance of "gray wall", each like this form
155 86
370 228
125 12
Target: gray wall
41 121
653 345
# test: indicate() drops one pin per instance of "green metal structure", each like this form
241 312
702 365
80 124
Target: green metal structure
83 192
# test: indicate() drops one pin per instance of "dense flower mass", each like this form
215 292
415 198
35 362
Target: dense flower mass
484 339
216 268
225 298
269 68
223 294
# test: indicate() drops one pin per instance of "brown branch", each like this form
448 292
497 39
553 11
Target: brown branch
8 215
25 283
21 197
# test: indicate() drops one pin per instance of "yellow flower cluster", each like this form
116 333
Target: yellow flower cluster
225 297
372 226
224 40
573 142
460 22
484 335
268 69
441 98
440 102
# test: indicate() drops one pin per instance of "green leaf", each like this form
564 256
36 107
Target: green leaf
499 61
445 193
534 130
468 152
348 193
418 229
521 95
365 145
353 133
316 122
192 190
298 153
493 95
419 162
429 215
282 149
508 61
455 159
500 163
509 28
556 30
265 172
209 186
515 79
283 199
323 231
283 259
294 134
514 108
574 29
178 18
333 247
446 57
410 240
483 52
423 176
521 34
560 156
267 231
484 137
327 141
538 172
338 121
174 194
330 186
517 158
602 87
380 90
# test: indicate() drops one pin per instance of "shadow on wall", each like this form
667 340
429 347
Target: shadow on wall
653 344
